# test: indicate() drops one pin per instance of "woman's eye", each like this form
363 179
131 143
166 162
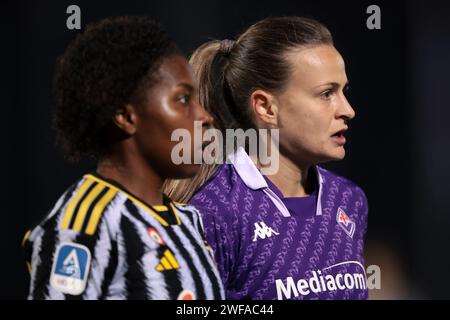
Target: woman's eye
184 99
326 95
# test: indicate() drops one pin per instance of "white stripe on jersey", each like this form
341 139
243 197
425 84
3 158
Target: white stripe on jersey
197 219
35 258
187 282
196 260
116 290
156 284
102 252
186 222
61 237
36 238
107 228
113 213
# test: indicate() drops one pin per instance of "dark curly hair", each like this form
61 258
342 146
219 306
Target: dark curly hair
107 66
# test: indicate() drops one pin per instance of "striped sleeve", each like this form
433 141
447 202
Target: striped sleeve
72 253
196 220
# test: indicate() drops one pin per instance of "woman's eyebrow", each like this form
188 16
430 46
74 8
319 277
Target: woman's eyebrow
186 85
333 84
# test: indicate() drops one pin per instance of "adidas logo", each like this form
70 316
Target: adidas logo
167 262
262 231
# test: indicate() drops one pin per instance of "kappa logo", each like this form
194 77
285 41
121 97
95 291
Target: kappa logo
262 231
344 221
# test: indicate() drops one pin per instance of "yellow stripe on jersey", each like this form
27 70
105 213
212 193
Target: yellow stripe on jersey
29 267
98 210
175 213
82 211
140 203
160 208
73 203
171 259
25 237
167 262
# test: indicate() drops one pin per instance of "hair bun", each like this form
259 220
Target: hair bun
226 46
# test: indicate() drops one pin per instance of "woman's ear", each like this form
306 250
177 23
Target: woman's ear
125 119
265 108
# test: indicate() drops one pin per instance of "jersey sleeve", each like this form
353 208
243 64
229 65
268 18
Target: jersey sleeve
199 226
363 202
71 262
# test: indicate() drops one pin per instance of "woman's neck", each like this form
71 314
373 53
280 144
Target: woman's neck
292 179
135 175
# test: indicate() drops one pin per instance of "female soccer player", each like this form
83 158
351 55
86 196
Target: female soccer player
121 88
298 233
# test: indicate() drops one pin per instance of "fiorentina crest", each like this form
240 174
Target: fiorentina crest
346 224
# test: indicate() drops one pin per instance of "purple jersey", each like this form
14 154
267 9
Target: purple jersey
270 247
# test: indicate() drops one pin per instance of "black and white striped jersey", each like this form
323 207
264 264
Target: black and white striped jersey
101 242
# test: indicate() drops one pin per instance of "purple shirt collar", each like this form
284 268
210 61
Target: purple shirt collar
254 180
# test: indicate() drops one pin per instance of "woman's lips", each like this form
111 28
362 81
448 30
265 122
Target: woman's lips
339 137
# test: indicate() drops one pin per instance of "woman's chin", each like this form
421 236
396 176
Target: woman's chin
336 154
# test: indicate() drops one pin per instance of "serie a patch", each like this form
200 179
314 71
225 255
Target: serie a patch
70 268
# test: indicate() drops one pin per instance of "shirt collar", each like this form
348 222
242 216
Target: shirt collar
254 180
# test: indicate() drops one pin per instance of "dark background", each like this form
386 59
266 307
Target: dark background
398 148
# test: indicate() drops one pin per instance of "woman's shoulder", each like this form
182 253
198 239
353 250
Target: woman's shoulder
331 179
221 183
220 193
83 207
